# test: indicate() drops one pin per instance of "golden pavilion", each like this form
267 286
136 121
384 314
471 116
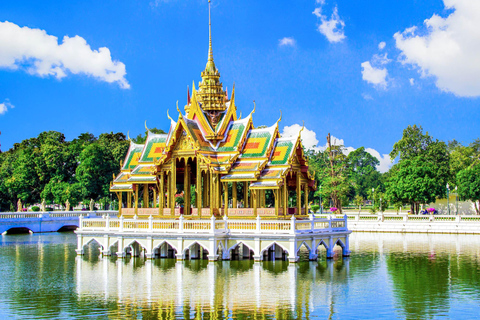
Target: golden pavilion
218 162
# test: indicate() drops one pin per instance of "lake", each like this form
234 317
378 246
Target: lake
386 276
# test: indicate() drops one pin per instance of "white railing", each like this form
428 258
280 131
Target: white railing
55 214
389 217
213 225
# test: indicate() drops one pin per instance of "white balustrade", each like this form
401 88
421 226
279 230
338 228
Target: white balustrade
213 225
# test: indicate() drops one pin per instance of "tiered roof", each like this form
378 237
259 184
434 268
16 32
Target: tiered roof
211 131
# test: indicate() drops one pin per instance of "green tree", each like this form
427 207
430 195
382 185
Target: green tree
363 173
422 172
469 184
140 139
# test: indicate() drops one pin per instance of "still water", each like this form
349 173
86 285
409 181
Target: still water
387 276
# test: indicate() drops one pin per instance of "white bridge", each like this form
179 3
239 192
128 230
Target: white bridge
46 221
214 239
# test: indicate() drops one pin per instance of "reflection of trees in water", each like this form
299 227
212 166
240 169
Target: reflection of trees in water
421 283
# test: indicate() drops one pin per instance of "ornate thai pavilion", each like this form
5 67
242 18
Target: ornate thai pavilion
218 162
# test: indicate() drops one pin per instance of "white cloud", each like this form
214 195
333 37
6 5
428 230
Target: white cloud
373 75
320 2
366 96
448 49
378 59
287 41
5 106
412 81
40 54
331 28
309 137
310 141
385 162
382 45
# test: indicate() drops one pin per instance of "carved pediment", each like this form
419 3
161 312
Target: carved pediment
184 143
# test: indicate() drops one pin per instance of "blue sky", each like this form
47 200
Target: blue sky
356 69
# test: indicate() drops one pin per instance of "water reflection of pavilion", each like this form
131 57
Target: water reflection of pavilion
236 287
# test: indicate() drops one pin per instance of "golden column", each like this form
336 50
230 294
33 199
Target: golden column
276 194
234 195
120 204
186 188
173 186
299 194
161 198
254 198
129 200
198 188
136 199
285 198
212 192
225 187
305 191
245 195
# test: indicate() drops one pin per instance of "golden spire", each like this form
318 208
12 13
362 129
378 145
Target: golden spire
210 51
210 91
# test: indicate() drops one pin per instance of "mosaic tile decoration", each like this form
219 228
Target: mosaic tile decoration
121 187
143 170
154 147
122 177
281 153
256 144
245 166
133 156
233 177
234 136
271 174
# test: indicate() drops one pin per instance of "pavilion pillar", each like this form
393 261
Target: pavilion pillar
276 194
285 198
206 188
234 195
254 197
129 200
120 204
198 189
212 192
186 188
305 191
173 186
161 198
225 187
299 194
245 195
136 199
219 191
145 196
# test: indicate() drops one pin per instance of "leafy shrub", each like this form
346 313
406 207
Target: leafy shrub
315 208
36 208
49 209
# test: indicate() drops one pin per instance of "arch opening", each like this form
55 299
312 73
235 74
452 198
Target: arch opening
322 249
195 252
92 247
67 228
19 230
274 252
241 252
304 252
134 249
165 251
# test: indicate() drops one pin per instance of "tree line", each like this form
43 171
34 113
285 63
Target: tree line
425 169
51 168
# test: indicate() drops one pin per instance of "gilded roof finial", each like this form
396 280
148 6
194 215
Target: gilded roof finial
169 116
146 128
210 51
128 136
254 107
280 119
